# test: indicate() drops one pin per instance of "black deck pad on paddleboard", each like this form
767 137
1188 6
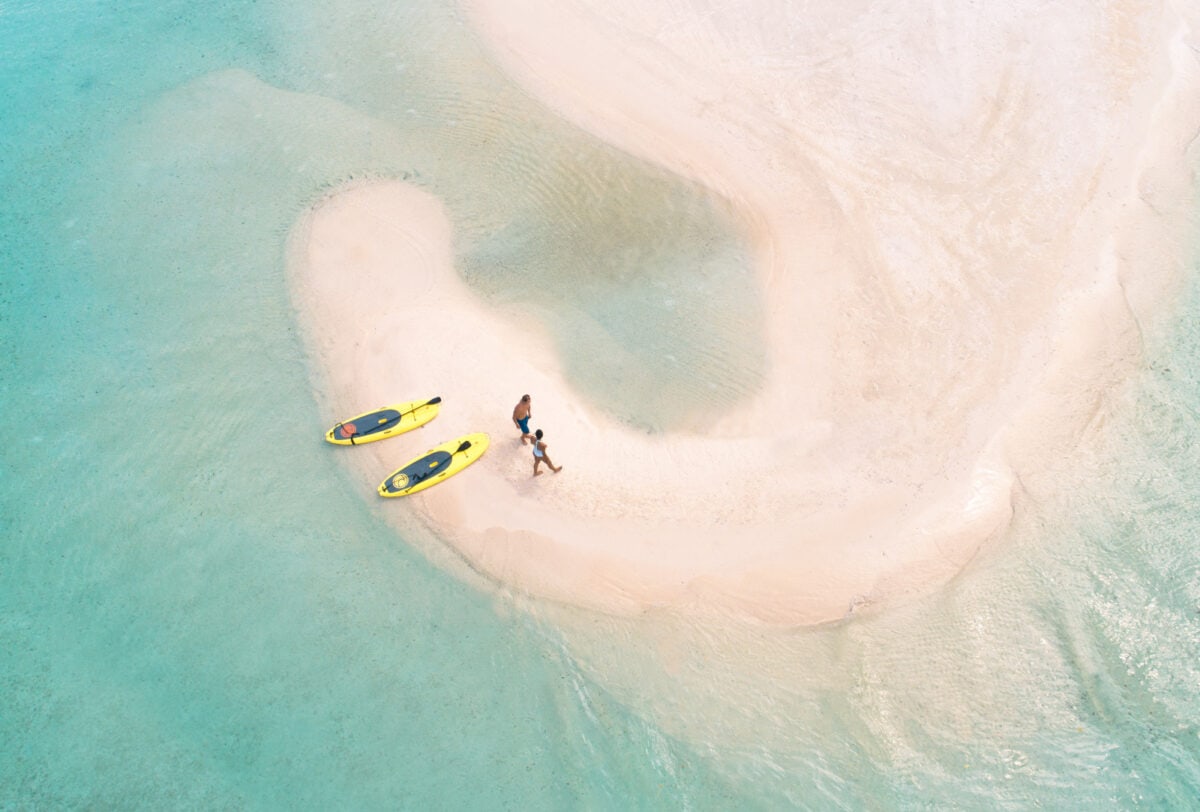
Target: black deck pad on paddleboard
367 424
414 472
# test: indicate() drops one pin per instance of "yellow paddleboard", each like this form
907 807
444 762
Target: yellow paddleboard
435 465
386 421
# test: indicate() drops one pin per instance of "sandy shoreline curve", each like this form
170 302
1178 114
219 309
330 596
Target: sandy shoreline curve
952 292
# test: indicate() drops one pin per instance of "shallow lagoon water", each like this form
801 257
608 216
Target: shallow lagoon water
198 608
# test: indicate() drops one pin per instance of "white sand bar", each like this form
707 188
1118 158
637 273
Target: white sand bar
959 218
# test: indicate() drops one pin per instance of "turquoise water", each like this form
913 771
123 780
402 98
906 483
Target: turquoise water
197 609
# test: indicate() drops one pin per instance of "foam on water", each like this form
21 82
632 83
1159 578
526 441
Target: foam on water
197 608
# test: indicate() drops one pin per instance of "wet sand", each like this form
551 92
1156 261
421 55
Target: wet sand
961 227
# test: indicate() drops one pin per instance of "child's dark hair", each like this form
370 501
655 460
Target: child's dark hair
538 434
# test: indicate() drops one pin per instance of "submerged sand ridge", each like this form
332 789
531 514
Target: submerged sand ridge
946 214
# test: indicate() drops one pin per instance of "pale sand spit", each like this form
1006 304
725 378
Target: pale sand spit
961 223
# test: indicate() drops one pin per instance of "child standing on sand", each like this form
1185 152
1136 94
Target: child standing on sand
539 454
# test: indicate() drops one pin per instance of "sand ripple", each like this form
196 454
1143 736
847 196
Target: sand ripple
961 224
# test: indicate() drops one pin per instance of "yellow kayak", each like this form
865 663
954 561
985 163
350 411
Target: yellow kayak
435 465
386 421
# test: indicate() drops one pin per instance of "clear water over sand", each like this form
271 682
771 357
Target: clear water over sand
199 607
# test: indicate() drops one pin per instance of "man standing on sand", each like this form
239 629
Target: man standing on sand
539 454
521 414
